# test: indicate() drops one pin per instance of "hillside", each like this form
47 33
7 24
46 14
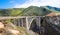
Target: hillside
11 12
35 11
30 11
53 8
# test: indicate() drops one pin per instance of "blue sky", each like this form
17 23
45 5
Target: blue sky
10 3
27 3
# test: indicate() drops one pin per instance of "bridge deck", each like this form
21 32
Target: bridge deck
15 17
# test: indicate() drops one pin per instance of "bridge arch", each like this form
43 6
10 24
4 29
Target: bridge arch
34 26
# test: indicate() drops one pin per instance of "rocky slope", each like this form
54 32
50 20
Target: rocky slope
10 29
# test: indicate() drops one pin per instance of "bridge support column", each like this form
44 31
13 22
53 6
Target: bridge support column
27 22
22 22
14 22
38 23
19 22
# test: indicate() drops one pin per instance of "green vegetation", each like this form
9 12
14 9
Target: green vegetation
11 12
54 9
30 11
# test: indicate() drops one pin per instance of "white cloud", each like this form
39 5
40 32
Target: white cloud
55 3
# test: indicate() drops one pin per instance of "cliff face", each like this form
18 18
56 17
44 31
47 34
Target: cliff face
51 25
48 26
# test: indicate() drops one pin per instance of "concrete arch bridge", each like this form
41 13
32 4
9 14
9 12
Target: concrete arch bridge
24 21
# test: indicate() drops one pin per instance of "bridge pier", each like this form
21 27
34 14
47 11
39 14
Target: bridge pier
14 22
19 22
38 22
27 23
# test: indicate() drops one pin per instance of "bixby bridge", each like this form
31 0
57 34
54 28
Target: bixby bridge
41 24
23 21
